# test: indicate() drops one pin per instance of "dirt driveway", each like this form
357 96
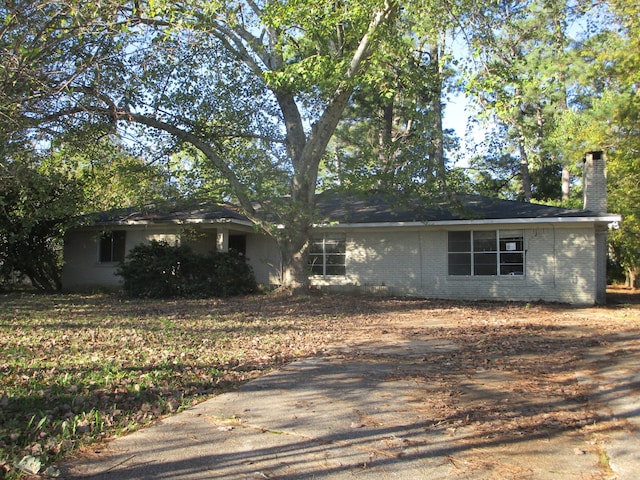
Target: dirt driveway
420 389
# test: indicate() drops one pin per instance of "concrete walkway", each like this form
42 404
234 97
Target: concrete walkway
612 374
362 416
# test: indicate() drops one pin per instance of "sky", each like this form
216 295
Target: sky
456 114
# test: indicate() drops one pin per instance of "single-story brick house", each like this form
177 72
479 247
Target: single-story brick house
470 248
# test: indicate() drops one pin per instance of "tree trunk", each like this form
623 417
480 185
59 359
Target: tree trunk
305 146
436 106
560 40
39 263
632 277
294 269
385 133
524 167
566 183
45 279
294 244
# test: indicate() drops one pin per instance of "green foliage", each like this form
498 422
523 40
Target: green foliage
494 176
111 176
160 270
521 82
391 137
605 117
44 47
624 198
44 191
36 206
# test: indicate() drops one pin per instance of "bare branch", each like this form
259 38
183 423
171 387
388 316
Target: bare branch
201 145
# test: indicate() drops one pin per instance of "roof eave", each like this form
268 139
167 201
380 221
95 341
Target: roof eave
603 219
196 221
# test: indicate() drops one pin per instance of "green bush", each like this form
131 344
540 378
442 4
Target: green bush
160 270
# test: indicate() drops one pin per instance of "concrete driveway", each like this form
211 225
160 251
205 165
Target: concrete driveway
370 410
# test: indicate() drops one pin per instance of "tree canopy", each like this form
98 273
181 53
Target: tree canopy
257 88
265 101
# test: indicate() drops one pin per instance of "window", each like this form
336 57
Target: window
511 253
327 255
460 253
486 253
112 246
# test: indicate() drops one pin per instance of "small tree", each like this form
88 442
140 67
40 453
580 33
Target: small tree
36 206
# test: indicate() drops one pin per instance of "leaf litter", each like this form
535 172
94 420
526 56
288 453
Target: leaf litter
80 369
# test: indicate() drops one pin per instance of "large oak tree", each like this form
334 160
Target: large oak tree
256 88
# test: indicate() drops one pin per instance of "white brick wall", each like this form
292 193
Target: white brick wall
81 269
594 182
264 258
560 266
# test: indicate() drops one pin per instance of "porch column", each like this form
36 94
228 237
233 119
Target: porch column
222 241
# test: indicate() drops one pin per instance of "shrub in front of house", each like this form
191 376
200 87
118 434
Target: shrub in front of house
160 270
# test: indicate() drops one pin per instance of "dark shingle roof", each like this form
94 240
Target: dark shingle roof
375 208
175 213
379 208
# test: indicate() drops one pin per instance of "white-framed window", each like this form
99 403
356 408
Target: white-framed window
486 252
112 247
328 255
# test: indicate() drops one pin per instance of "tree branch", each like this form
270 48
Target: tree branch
323 129
364 46
201 145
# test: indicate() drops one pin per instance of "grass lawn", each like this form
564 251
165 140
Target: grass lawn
76 369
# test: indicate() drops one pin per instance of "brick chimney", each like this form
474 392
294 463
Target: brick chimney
594 183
